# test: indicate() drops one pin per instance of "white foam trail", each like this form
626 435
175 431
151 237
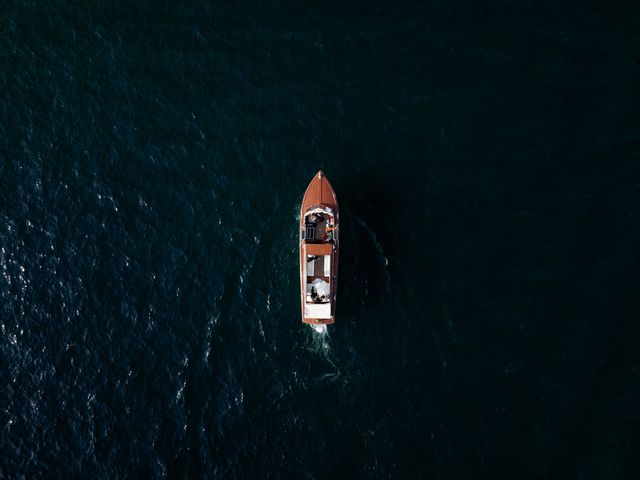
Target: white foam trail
320 344
321 329
320 339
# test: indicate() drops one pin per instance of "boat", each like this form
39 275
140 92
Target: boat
319 240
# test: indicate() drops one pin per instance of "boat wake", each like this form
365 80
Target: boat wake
320 339
320 329
382 258
320 344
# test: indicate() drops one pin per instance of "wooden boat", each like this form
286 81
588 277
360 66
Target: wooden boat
319 228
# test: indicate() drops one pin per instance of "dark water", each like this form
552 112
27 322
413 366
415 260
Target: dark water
152 160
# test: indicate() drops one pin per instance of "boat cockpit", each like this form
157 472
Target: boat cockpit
319 225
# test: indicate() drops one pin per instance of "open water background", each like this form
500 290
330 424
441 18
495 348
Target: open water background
486 159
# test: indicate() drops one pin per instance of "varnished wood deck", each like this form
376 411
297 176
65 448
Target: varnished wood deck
319 248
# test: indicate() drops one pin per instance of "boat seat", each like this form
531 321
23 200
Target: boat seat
317 310
311 268
310 232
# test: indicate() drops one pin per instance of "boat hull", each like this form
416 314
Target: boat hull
319 196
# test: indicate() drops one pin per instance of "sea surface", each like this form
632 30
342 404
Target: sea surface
486 157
